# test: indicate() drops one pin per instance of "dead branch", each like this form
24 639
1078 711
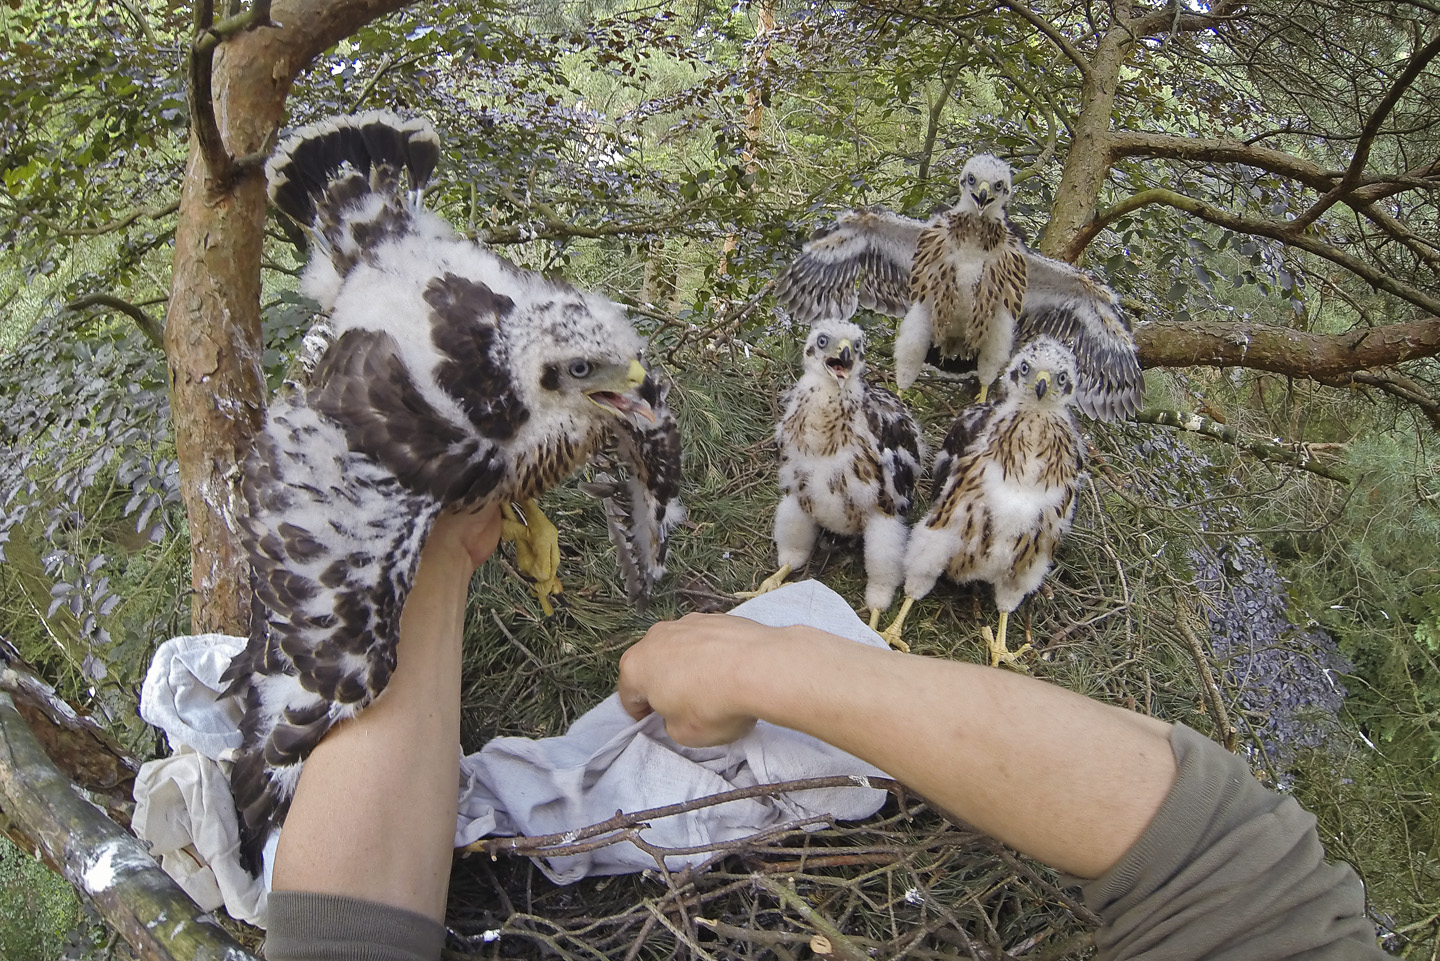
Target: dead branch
1208 686
108 866
839 943
624 827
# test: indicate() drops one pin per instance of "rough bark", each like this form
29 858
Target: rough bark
1327 358
212 332
108 866
1086 165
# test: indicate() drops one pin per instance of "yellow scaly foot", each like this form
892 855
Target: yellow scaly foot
892 633
768 584
998 652
537 549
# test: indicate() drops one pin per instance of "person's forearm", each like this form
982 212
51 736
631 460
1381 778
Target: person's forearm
374 814
1065 779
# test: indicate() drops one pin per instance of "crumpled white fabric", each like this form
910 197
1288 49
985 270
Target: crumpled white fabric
183 805
608 762
605 763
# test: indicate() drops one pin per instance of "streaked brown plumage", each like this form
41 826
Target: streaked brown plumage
850 456
1004 488
962 268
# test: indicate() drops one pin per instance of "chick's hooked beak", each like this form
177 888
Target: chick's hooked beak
1042 384
983 196
619 388
843 360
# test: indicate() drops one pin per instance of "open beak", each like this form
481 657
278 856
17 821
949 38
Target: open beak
624 394
841 363
983 195
1042 384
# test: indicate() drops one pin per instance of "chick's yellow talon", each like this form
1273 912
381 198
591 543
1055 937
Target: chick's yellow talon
768 584
999 653
537 549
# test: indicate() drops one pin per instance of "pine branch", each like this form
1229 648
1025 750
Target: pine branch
625 827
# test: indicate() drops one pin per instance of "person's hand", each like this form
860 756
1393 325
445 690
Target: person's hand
463 540
694 672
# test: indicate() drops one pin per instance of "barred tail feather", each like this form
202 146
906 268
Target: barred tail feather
643 506
307 164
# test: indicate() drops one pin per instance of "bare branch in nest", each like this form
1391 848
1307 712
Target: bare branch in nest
626 827
840 946
1298 456
1213 697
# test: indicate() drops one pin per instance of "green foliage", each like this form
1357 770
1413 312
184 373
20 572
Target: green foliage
676 158
38 907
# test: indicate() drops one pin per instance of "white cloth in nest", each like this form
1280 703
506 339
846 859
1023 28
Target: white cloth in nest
608 762
605 763
183 805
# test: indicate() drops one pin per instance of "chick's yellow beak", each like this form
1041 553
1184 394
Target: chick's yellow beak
624 397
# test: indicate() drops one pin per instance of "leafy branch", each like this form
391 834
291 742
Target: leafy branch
1299 456
153 330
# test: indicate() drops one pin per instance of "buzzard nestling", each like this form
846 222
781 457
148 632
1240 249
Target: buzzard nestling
442 377
850 455
967 287
1004 486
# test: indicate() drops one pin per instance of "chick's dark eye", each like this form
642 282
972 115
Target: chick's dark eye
1024 369
970 178
1063 378
580 368
822 341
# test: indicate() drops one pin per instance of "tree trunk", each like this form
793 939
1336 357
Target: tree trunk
212 333
1088 161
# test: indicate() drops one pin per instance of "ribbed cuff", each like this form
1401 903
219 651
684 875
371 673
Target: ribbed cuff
329 927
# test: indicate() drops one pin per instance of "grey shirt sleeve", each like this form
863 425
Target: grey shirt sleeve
328 927
1228 871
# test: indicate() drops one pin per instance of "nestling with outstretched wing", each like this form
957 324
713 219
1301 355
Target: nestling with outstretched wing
442 377
1004 486
850 455
963 294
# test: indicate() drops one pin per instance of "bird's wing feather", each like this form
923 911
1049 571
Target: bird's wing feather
334 539
901 447
341 491
639 488
962 438
872 248
1086 316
